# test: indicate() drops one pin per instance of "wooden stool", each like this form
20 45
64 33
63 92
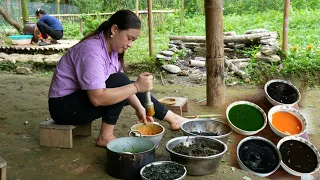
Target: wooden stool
3 169
180 106
52 134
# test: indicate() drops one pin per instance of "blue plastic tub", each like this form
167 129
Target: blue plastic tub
21 39
17 37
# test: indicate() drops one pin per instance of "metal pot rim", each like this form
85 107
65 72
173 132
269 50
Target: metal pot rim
156 123
197 157
163 162
200 119
126 153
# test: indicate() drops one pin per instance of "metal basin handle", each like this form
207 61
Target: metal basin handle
127 153
135 131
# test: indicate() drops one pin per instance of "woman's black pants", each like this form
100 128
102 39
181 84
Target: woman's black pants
45 29
76 108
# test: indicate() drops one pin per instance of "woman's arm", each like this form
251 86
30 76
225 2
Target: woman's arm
109 96
135 103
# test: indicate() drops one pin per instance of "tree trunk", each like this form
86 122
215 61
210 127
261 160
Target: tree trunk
215 53
240 39
9 20
24 7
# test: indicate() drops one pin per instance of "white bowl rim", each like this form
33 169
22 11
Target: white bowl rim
254 105
309 144
215 120
162 132
163 162
290 108
197 157
285 82
265 140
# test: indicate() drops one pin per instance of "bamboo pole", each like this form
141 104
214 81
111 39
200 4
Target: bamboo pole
58 9
108 13
150 26
214 53
137 8
181 15
24 7
81 26
285 26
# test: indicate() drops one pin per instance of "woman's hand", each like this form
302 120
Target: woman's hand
143 118
144 82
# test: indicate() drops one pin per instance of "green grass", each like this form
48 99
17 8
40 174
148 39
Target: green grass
304 31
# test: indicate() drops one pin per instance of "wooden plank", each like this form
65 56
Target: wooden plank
56 138
50 124
3 173
180 101
180 105
3 163
83 130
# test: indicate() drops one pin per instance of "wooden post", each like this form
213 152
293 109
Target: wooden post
137 8
150 26
285 26
215 53
81 26
58 9
181 15
24 7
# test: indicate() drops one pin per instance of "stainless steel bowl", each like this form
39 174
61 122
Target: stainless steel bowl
160 163
207 125
197 165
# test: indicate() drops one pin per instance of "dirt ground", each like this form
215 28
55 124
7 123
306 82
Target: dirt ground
24 98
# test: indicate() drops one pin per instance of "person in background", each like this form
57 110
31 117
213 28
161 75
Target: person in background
48 26
89 81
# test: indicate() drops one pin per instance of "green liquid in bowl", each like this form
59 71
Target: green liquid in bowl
246 117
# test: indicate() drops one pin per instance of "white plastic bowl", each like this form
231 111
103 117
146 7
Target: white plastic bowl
288 109
244 167
291 171
274 102
244 132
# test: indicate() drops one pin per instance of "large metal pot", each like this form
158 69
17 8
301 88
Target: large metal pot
127 155
197 165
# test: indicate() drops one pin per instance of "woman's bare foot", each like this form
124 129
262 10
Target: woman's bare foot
106 134
103 141
174 120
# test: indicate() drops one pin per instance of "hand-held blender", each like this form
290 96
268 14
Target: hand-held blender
149 105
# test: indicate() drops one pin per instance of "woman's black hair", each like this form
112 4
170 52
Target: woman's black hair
40 11
124 19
